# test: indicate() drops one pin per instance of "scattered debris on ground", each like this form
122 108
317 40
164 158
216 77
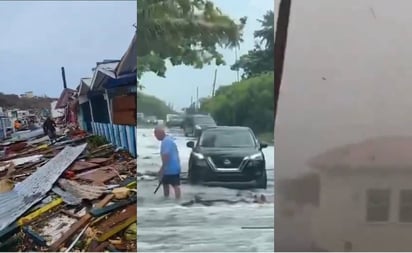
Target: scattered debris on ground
77 194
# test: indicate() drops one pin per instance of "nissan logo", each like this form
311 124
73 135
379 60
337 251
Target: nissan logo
226 162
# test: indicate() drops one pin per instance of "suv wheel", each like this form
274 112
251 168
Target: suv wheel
261 182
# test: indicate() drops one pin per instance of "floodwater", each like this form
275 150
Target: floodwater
166 225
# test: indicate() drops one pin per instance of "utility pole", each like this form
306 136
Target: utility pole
64 78
197 98
214 83
237 71
281 37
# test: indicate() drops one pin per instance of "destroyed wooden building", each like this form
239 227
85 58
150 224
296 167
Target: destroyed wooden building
68 103
108 100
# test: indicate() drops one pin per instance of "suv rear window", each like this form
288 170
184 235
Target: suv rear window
204 120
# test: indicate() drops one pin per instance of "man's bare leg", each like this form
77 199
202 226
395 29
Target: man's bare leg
166 191
177 191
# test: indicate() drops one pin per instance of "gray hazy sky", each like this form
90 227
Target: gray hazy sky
348 78
363 50
181 82
37 38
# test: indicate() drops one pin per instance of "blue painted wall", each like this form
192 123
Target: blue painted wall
119 135
86 117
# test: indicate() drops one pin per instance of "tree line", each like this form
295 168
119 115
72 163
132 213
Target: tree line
13 101
152 106
249 102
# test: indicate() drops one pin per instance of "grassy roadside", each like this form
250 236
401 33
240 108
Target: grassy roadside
266 137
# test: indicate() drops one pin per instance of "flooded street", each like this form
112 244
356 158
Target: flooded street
166 225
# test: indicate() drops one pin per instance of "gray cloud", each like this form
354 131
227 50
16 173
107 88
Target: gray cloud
40 37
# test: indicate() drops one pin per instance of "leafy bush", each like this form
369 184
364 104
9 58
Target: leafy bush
246 103
96 141
152 106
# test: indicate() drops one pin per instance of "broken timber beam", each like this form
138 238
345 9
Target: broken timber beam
78 225
37 213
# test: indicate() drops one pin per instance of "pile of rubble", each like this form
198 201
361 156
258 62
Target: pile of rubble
73 195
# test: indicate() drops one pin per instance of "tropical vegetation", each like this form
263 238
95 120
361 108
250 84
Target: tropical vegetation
250 101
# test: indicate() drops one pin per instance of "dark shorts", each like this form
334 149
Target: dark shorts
171 180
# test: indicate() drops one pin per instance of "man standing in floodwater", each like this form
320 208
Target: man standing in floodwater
169 173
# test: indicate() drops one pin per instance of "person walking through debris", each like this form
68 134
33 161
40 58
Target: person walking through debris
169 173
49 128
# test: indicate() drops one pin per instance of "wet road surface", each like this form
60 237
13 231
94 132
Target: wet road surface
166 225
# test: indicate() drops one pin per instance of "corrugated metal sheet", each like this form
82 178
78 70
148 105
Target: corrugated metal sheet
128 63
67 197
26 135
23 160
84 86
39 140
82 191
102 73
15 203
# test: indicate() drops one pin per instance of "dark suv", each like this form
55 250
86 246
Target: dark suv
193 125
228 155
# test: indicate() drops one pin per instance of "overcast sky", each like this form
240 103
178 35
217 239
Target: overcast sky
185 79
38 38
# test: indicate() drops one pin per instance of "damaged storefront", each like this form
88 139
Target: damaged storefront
107 101
68 102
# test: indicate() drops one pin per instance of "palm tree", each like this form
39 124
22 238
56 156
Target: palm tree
267 33
260 59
